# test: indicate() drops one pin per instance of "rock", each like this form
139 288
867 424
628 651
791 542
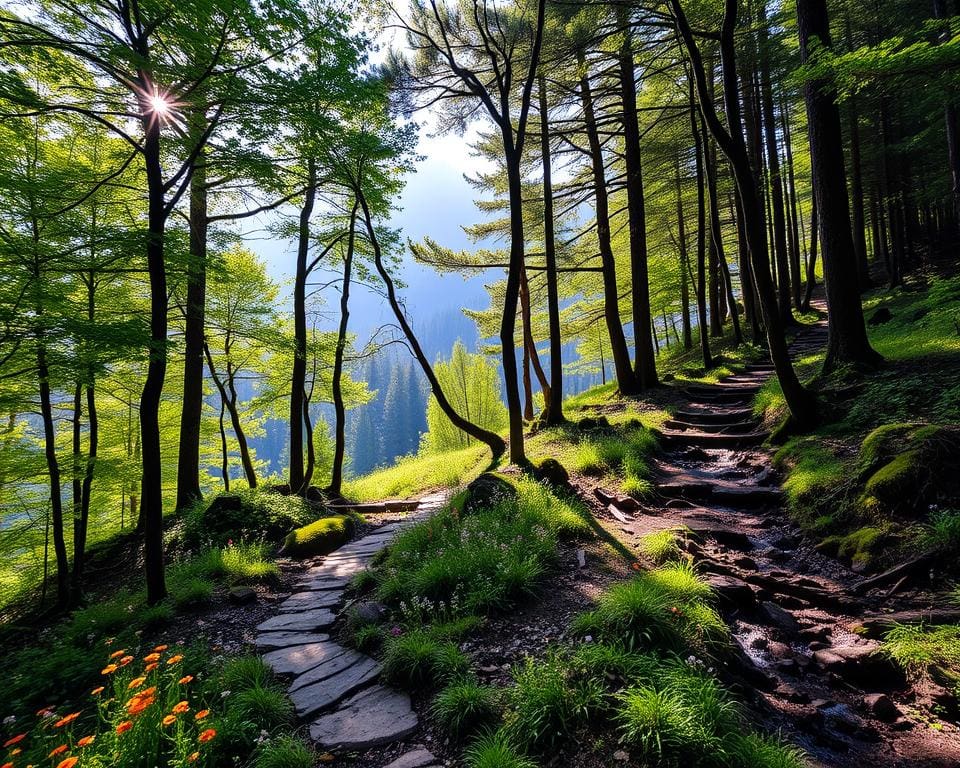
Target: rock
318 618
816 645
418 758
779 650
759 642
746 563
319 695
369 719
859 665
788 543
552 472
881 707
297 659
368 612
816 633
589 424
780 618
881 316
734 592
305 601
621 756
319 537
241 595
271 640
487 491
328 668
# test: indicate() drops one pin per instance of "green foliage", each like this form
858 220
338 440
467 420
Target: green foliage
627 452
234 564
545 707
942 534
464 706
859 546
190 592
261 516
414 660
664 608
452 565
755 750
245 673
472 385
661 546
495 750
268 706
320 537
284 752
367 638
921 649
812 471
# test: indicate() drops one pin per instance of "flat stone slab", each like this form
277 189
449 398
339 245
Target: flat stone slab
328 668
369 719
297 659
271 640
304 601
418 758
318 618
347 566
317 584
313 698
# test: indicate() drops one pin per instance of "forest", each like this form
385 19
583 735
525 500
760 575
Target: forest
648 460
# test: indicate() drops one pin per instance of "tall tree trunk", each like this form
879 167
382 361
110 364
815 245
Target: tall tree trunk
793 213
493 441
801 403
952 125
151 483
554 411
776 179
530 344
224 454
684 263
812 261
340 412
645 364
188 459
701 233
511 298
245 459
53 472
848 341
298 378
626 378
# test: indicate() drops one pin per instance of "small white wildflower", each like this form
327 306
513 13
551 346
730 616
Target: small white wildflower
224 694
9 720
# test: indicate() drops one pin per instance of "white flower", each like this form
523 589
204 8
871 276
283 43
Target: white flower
224 694
9 720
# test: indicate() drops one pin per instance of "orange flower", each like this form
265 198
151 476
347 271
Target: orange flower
117 654
150 667
66 720
169 719
181 707
135 706
125 726
147 691
10 765
15 752
160 649
185 679
86 741
68 762
202 714
58 751
97 691
151 657
14 740
109 669
125 660
175 659
207 735
193 757
136 683
635 565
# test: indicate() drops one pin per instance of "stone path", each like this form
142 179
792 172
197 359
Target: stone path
333 687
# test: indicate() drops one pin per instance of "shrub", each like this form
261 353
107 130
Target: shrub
320 537
284 752
613 665
495 751
415 660
546 707
463 706
919 649
247 514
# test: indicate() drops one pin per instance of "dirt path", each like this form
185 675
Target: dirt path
791 609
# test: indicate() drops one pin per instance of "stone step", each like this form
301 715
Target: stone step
729 397
267 641
371 718
323 694
720 491
306 621
295 660
416 758
306 601
709 440
734 428
713 416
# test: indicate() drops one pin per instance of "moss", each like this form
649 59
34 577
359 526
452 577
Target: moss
899 478
320 537
859 547
880 445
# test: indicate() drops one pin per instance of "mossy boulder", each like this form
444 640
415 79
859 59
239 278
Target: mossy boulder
487 491
858 548
320 537
881 445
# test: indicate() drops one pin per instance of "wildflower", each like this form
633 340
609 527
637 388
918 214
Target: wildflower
224 694
66 720
118 654
148 691
58 750
9 719
151 657
86 741
109 669
14 740
125 660
68 762
185 679
175 659
160 649
207 735
635 565
8 764
136 683
150 667
169 719
15 752
125 726
396 631
193 757
201 714
181 707
97 691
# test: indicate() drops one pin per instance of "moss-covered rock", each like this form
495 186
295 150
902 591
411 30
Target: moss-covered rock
858 548
320 537
883 444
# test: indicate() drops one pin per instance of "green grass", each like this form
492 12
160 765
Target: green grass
284 752
465 706
495 750
661 546
414 660
943 532
414 475
240 563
